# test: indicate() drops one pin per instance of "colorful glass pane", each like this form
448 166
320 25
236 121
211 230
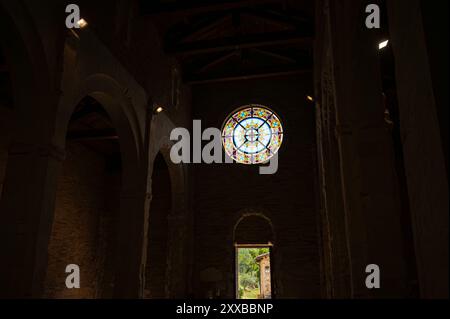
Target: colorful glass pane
252 135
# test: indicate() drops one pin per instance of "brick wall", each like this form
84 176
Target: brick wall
83 232
286 198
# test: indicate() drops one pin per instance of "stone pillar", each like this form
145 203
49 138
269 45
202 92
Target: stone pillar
369 180
176 283
425 163
335 257
131 253
132 244
26 214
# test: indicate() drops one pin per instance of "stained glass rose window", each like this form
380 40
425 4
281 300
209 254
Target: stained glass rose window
252 135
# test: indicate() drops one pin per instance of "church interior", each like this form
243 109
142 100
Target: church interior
352 115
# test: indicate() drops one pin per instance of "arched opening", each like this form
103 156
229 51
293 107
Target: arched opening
87 206
158 230
253 241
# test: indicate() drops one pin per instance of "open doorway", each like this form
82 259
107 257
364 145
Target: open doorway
253 272
254 257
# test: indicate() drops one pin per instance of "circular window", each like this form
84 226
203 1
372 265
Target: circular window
252 135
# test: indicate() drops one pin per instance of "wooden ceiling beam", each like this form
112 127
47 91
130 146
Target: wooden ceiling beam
298 21
205 29
217 61
275 55
249 76
186 7
236 43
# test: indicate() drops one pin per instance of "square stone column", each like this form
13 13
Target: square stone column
420 98
369 180
26 214
132 244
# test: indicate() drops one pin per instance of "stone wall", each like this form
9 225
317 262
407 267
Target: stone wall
83 231
264 271
126 68
5 132
423 104
157 247
224 191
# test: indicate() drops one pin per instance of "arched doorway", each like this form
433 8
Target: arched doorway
156 270
253 266
87 206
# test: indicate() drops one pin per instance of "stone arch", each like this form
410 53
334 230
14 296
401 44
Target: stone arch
31 157
178 219
260 218
85 218
113 98
30 72
90 70
117 104
160 143
255 214
24 55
